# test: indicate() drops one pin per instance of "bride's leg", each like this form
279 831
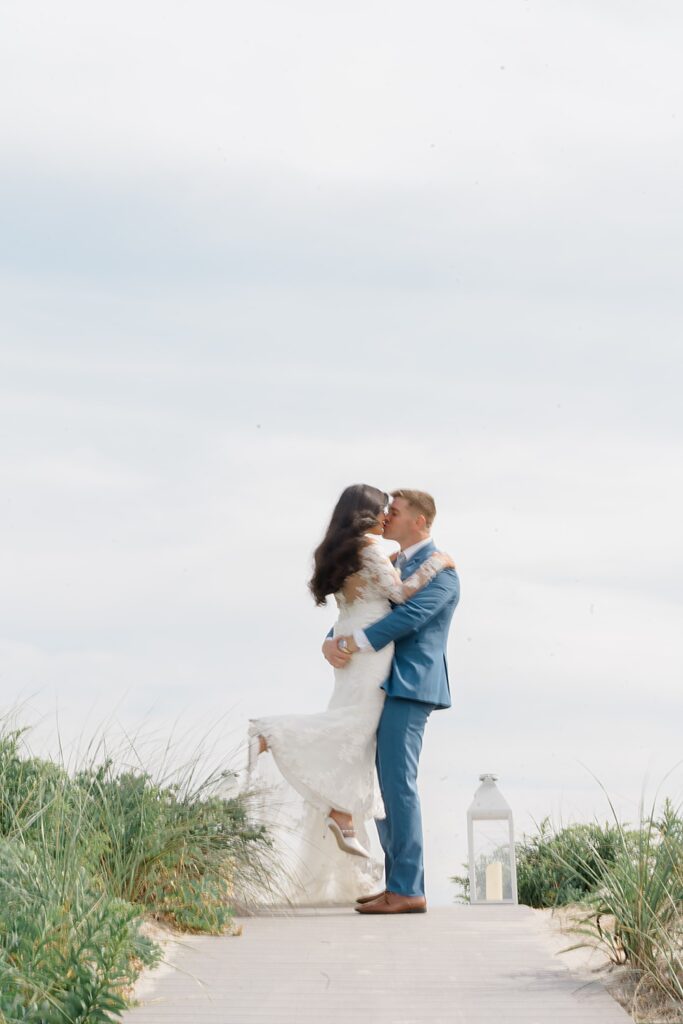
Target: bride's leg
341 824
344 820
256 745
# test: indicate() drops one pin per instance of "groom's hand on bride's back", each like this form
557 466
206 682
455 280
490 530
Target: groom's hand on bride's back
336 658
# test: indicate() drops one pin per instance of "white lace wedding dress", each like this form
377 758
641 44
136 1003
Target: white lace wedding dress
328 758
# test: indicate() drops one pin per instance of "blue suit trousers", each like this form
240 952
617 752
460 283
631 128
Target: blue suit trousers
399 742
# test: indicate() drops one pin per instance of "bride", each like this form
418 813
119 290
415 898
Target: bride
329 757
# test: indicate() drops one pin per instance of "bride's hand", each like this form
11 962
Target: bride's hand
448 562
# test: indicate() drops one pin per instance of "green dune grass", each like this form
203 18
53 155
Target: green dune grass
86 854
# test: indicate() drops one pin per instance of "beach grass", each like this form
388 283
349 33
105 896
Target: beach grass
634 912
87 852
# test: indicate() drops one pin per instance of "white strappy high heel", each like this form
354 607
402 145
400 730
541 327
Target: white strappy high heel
346 838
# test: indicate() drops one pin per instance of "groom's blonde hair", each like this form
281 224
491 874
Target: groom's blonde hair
420 501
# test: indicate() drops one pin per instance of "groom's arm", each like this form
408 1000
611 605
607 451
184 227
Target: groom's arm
409 617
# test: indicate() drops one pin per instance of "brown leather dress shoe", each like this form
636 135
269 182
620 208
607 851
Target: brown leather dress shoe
370 899
394 903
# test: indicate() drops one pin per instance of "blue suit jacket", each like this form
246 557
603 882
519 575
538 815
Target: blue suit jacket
419 630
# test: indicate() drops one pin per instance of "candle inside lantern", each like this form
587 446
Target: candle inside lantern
494 881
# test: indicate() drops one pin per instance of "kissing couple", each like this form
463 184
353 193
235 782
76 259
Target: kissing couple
359 758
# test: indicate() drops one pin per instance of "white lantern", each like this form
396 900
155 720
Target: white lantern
491 845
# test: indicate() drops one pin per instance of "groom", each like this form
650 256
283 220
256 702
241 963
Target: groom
417 685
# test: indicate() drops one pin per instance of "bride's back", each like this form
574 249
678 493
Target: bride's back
374 581
352 589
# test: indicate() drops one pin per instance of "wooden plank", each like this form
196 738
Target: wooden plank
453 965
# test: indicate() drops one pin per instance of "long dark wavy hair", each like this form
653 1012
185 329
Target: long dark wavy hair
338 556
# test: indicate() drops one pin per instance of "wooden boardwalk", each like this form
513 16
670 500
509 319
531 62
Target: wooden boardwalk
453 965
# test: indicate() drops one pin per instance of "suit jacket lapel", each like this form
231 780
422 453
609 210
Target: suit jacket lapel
417 560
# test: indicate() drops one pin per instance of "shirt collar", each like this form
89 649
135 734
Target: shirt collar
414 548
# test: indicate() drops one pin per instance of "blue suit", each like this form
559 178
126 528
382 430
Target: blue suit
417 685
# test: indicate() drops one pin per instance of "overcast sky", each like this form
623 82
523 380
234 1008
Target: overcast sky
254 253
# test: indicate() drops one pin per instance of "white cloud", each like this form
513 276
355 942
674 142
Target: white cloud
363 92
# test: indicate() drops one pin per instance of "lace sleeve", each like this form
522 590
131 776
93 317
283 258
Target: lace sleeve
380 571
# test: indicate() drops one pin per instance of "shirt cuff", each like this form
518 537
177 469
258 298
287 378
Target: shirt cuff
361 641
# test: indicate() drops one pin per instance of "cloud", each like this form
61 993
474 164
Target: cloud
363 92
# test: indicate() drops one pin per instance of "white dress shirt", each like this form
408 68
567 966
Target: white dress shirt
360 639
414 548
